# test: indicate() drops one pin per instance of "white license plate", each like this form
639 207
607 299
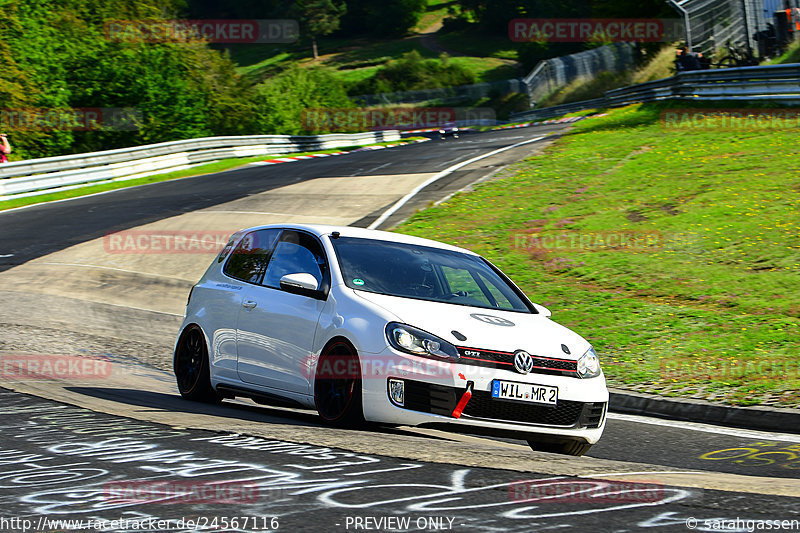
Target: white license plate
524 392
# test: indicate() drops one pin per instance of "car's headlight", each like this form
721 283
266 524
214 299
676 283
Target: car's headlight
589 364
415 341
441 131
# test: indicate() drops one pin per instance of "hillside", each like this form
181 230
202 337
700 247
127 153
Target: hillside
68 68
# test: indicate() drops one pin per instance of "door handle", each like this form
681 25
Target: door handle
249 304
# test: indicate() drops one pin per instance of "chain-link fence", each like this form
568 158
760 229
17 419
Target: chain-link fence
714 24
553 74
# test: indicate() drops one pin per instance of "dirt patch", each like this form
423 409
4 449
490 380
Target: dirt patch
635 216
669 209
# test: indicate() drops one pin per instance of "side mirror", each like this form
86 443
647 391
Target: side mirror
543 310
301 283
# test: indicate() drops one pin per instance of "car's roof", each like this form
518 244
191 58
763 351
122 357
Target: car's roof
363 233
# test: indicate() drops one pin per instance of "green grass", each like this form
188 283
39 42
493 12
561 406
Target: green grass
361 63
375 53
208 168
265 64
435 12
718 286
791 55
487 69
357 59
469 43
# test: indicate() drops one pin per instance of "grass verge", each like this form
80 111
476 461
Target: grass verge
702 299
791 55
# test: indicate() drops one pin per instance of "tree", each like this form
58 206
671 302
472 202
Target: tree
383 19
320 17
60 60
282 99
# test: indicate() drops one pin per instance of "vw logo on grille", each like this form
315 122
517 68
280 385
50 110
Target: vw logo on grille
494 320
523 362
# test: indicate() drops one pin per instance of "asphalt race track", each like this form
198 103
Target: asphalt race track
39 230
80 449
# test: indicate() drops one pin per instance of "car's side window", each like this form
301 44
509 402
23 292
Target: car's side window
297 252
249 259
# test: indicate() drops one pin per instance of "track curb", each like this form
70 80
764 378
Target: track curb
777 419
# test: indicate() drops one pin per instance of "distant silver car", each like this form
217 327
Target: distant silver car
449 129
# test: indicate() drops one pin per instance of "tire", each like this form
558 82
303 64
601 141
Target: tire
569 447
191 367
337 386
728 62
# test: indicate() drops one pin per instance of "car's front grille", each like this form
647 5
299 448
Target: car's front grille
441 400
505 361
429 398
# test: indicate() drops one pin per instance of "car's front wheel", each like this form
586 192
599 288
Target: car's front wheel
191 367
337 386
570 447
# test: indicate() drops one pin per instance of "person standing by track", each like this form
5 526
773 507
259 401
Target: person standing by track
5 148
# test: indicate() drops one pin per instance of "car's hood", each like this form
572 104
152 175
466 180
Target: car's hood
487 329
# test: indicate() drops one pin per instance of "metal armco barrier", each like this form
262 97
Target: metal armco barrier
778 83
51 172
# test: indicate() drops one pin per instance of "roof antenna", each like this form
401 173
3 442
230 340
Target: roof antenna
335 235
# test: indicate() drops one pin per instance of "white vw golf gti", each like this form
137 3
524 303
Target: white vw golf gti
365 325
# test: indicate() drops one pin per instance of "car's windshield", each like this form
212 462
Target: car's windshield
424 273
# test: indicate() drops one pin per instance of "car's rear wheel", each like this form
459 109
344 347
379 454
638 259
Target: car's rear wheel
570 447
191 367
337 386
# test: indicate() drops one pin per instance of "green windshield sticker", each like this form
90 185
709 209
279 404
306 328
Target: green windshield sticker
358 281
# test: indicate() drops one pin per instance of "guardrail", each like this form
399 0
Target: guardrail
37 175
779 83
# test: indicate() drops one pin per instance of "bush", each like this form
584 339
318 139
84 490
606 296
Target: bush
412 72
456 23
280 100
529 54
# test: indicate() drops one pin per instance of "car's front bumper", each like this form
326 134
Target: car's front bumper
433 390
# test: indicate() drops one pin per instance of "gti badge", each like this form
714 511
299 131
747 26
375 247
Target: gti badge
523 362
